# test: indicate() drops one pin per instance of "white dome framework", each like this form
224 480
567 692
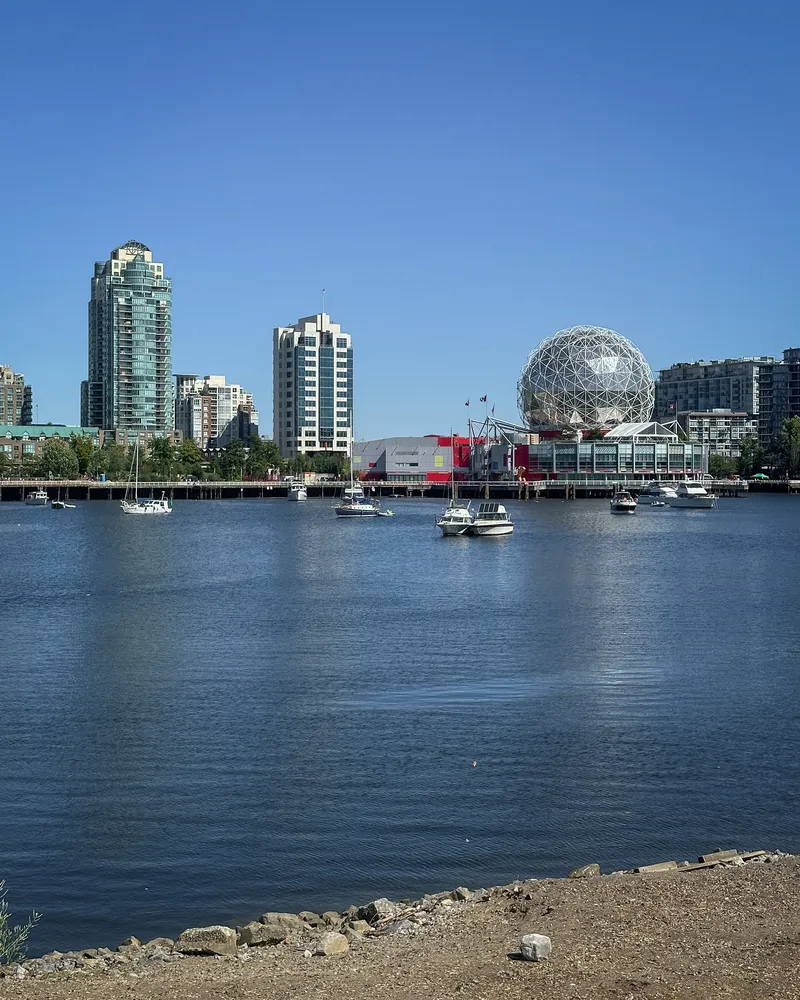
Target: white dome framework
585 377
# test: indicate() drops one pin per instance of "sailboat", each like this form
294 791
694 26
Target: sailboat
354 503
132 504
457 517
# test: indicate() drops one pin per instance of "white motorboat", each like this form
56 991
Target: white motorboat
690 493
62 505
455 519
297 491
659 491
623 503
491 519
658 503
132 504
38 498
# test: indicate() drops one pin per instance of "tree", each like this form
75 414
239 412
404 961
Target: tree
721 466
751 457
83 447
263 456
161 453
190 458
233 460
58 460
300 464
5 464
98 463
789 446
334 464
116 459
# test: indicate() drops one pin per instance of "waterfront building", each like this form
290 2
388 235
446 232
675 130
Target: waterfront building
780 394
16 398
720 430
645 450
312 387
129 384
409 459
211 412
732 384
26 441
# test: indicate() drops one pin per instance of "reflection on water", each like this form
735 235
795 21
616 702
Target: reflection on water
251 705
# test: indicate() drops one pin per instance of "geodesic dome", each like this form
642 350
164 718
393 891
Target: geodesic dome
585 377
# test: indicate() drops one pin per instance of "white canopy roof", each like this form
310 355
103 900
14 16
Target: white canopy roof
649 429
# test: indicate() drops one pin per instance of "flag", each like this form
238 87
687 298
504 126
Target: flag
492 409
483 399
467 403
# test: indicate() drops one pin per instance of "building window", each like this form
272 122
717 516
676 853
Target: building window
341 341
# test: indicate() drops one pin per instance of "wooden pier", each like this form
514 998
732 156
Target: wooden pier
86 489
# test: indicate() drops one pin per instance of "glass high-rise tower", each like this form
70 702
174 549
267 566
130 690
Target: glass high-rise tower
130 344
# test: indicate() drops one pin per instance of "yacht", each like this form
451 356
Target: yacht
455 519
297 491
39 498
623 503
491 519
690 493
659 491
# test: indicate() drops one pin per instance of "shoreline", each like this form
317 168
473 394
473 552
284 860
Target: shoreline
386 934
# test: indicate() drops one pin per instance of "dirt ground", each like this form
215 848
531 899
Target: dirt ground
703 935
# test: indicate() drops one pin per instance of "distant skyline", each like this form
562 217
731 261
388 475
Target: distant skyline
462 180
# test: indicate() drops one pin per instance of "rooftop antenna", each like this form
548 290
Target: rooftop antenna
323 301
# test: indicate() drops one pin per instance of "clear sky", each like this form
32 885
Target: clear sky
463 178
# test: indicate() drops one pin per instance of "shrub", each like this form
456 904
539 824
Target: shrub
13 940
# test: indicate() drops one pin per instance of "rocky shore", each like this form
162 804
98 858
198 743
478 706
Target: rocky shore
727 925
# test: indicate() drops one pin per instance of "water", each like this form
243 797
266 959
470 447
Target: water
253 705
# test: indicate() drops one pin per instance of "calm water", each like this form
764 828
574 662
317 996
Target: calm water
252 705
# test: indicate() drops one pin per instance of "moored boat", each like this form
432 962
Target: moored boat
38 498
491 518
297 491
691 493
455 519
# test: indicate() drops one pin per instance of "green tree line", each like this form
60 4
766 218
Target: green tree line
164 461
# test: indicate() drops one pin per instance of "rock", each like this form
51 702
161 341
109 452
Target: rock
132 942
256 933
20 973
332 918
718 855
311 918
161 955
306 953
401 927
377 910
166 944
661 866
290 920
535 947
359 926
332 943
585 871
353 936
213 940
351 913
461 894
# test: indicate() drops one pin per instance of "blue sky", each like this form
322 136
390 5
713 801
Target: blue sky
463 178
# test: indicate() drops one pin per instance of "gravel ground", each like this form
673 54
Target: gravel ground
722 932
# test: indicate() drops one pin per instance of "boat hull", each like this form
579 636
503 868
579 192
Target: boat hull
627 509
37 501
488 530
353 511
698 503
297 495
145 509
452 528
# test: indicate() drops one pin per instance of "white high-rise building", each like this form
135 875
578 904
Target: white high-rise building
312 387
212 412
